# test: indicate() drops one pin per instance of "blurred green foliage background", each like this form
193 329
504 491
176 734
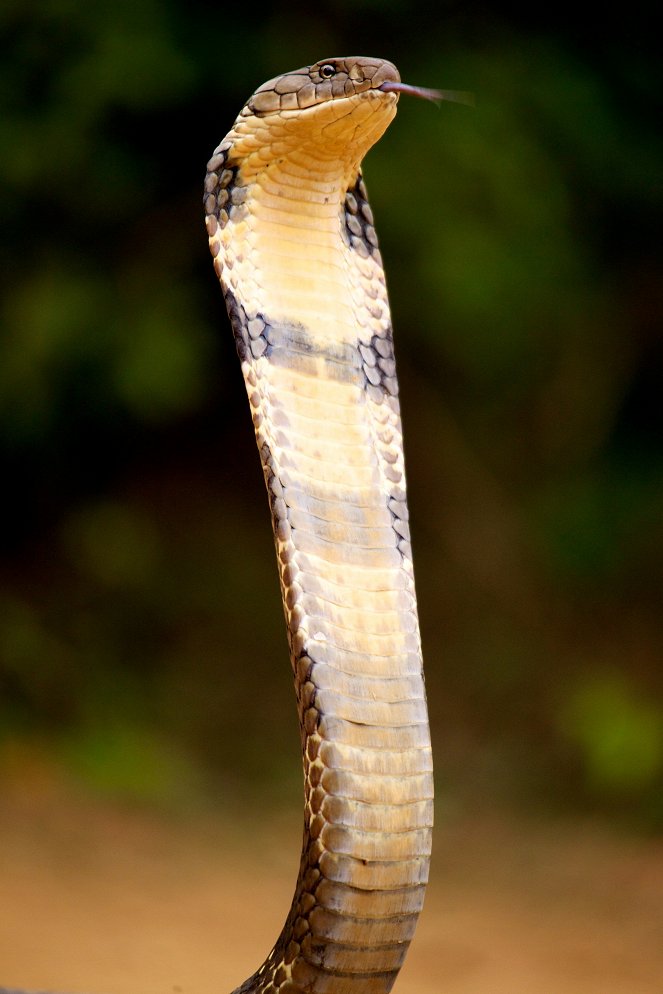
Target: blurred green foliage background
142 649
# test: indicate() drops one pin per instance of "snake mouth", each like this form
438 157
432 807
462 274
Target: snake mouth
254 105
437 96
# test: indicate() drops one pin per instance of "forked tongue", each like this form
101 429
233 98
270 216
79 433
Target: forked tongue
437 96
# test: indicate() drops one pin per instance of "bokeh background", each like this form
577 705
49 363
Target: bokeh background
142 652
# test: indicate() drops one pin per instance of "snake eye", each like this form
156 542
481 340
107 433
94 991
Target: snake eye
328 70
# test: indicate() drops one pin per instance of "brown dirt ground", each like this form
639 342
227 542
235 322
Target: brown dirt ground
98 898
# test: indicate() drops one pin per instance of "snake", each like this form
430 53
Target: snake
292 236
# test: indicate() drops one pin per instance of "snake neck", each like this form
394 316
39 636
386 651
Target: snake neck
290 249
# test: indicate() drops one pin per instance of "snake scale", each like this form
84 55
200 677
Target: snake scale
294 247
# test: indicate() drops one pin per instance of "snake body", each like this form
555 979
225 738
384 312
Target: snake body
295 250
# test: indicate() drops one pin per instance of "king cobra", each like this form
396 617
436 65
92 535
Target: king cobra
294 247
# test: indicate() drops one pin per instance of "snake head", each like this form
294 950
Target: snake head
338 78
334 109
329 79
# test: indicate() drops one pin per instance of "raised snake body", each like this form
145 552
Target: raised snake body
294 247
